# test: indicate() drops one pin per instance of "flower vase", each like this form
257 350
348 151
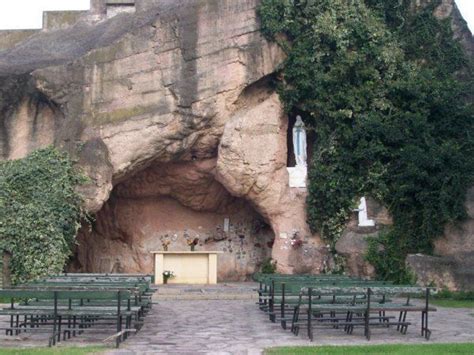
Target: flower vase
165 280
192 247
165 248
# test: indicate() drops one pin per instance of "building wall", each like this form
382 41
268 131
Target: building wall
9 38
55 20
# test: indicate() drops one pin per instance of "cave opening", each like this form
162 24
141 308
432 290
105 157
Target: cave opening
174 201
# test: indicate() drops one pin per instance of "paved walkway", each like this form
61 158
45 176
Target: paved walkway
224 319
237 327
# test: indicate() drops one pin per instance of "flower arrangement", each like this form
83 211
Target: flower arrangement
165 241
192 242
295 240
165 244
296 243
167 274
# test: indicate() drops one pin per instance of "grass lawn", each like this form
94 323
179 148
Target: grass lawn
56 350
402 349
453 303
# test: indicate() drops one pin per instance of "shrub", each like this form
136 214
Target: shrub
268 266
39 212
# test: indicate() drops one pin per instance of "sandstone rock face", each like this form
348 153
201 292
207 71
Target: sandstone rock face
252 164
170 112
453 264
444 272
128 229
141 100
353 247
156 85
459 239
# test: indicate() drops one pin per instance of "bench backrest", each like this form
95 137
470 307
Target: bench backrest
364 289
66 294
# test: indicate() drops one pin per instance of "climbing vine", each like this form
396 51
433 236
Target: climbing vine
377 82
39 212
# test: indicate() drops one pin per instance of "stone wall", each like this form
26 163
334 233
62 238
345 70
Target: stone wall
452 265
57 20
9 38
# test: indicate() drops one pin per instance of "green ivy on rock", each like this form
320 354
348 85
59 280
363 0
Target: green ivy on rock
39 212
377 85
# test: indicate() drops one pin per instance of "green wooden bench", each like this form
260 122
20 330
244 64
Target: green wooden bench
148 277
71 317
287 293
266 282
360 314
140 295
137 299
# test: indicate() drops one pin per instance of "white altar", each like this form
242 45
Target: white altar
189 267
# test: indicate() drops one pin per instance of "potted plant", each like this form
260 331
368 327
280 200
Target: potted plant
167 274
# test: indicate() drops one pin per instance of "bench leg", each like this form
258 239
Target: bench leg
310 326
59 328
424 325
74 323
119 329
346 327
53 338
350 327
367 325
10 332
17 322
67 330
404 327
128 325
296 318
293 321
399 320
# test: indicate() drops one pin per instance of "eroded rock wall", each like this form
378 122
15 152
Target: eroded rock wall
171 113
452 265
136 92
252 164
173 202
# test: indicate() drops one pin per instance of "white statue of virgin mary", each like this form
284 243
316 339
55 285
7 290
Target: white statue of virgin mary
299 142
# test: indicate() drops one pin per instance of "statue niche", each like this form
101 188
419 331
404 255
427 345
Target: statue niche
298 173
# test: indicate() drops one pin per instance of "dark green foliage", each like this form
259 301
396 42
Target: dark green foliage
268 267
377 85
457 296
387 255
39 212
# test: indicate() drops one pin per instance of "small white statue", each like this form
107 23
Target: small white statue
364 220
299 142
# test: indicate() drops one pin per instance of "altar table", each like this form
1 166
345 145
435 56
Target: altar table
189 267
